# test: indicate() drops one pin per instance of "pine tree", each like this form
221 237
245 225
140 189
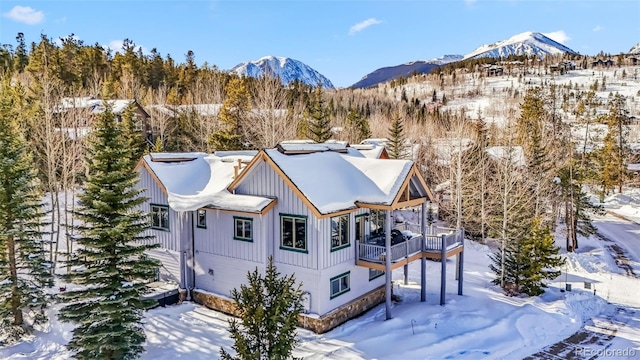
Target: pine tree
232 117
269 307
109 267
24 270
317 117
528 261
132 136
396 146
358 126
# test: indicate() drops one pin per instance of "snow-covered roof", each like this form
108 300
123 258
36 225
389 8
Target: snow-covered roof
94 105
211 110
371 151
333 181
378 141
197 180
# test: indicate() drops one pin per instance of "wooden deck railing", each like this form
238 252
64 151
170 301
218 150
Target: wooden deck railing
435 239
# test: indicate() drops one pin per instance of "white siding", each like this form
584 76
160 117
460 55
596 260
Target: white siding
348 254
170 269
167 239
220 274
359 285
217 238
263 181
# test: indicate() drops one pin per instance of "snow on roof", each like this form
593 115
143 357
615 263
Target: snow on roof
334 181
312 147
633 167
370 151
201 180
94 105
379 141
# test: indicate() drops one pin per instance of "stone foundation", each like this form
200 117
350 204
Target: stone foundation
318 325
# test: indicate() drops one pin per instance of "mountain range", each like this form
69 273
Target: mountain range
287 69
528 43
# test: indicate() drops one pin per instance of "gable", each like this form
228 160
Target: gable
330 183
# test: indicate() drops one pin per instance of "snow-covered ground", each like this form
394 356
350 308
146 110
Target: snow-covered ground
483 323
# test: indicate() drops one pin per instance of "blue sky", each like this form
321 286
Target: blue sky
342 39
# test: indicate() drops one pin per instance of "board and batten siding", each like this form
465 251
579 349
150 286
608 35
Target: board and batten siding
167 239
218 237
170 264
264 181
330 258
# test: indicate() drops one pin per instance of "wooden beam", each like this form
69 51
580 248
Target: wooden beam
408 203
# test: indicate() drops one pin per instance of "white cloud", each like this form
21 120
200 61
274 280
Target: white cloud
115 45
559 36
24 14
597 28
61 20
363 25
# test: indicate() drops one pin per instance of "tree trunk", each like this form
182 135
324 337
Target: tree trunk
13 272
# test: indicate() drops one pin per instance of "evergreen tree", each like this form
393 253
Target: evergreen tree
24 270
612 155
317 117
396 146
529 261
132 136
358 126
269 307
109 266
232 117
577 205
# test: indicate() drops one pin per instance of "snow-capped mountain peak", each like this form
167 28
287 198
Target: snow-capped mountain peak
527 43
635 50
286 68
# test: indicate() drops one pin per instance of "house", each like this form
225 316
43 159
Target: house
322 211
84 109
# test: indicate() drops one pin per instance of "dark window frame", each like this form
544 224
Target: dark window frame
244 220
199 224
295 219
343 242
159 209
341 290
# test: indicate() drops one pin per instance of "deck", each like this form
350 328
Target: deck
437 242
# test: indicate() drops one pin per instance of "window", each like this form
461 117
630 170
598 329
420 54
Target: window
293 229
202 219
160 217
374 274
340 284
340 232
243 228
376 223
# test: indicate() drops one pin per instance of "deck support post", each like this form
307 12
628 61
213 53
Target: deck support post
405 268
460 258
423 260
443 271
387 262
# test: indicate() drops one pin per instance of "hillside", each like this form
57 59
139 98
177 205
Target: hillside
403 70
